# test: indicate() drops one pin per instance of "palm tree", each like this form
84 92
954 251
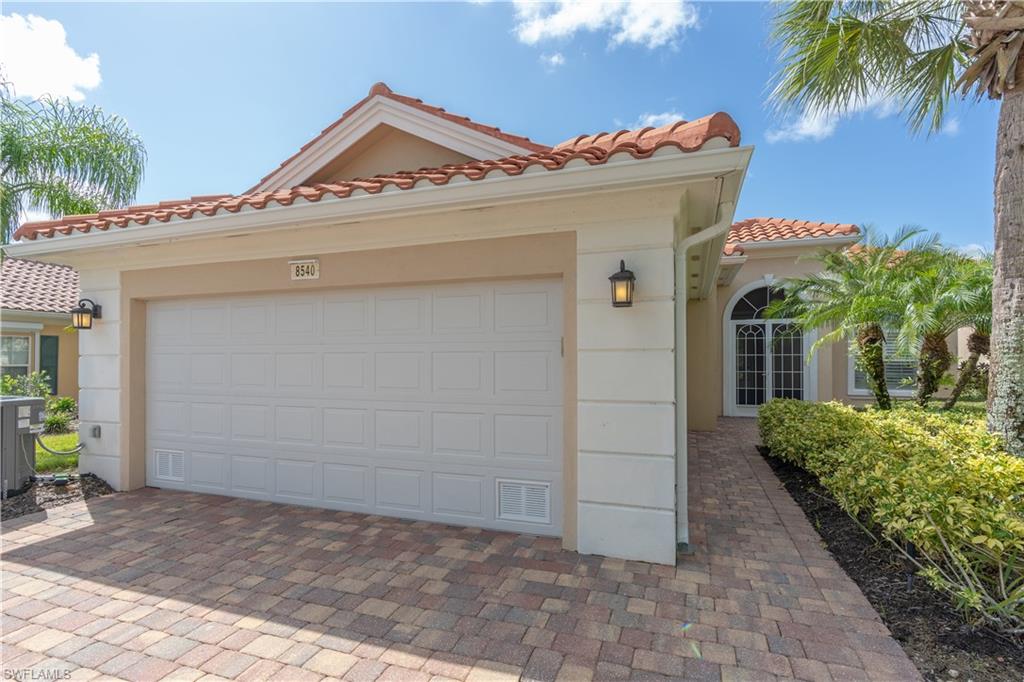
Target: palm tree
851 297
839 54
62 159
978 316
940 290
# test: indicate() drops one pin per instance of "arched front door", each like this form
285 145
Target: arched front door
765 358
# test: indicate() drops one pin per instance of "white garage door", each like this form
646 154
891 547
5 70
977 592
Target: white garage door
435 402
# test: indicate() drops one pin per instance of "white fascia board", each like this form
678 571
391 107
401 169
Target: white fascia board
385 111
7 313
841 240
578 177
732 260
21 326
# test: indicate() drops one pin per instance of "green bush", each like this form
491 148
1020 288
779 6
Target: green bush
57 422
64 404
32 385
794 430
938 481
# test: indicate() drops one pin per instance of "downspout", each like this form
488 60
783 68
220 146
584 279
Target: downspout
725 214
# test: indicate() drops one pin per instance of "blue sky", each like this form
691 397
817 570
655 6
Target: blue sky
222 93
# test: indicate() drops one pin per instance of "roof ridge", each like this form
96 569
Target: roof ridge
685 138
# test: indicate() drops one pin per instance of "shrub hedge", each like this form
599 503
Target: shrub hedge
939 483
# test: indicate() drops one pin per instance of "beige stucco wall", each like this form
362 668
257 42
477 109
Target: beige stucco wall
620 363
386 150
67 352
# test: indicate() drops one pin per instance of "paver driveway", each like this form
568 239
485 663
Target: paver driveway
156 584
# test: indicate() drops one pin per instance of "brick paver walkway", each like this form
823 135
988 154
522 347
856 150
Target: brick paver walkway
162 585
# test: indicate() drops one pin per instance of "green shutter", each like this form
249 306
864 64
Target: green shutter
48 352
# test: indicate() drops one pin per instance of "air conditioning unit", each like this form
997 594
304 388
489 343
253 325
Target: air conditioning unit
20 419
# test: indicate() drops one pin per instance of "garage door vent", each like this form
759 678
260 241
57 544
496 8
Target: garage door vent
528 501
170 465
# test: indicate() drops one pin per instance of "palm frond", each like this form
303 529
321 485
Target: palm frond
836 57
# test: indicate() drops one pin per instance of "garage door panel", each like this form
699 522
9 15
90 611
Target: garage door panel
461 434
209 323
251 474
296 318
295 424
298 372
458 495
346 427
208 470
400 314
348 484
399 431
208 420
399 373
296 479
414 402
399 489
346 316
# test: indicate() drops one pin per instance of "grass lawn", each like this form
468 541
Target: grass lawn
45 462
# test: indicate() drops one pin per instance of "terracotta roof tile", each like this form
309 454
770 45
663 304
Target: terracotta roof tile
778 229
593 150
382 90
37 287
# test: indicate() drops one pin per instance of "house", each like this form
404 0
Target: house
441 343
36 299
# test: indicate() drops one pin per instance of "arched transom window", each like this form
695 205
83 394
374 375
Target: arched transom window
768 356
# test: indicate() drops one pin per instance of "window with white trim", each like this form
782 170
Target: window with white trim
900 369
15 352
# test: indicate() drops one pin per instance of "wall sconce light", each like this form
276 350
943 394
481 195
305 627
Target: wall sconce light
622 286
85 313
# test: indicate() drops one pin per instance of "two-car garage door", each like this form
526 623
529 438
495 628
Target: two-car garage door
434 402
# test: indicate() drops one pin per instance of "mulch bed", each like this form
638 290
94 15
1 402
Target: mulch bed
922 620
36 497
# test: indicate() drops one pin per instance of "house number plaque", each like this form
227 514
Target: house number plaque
305 269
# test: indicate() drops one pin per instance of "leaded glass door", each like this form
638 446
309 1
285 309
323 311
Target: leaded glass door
768 355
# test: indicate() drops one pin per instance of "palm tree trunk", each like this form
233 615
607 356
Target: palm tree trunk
1006 377
977 344
871 356
933 361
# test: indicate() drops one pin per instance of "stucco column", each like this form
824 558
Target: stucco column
627 393
99 379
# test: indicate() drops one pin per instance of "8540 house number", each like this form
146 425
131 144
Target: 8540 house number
305 269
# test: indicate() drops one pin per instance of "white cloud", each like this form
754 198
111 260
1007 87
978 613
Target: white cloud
951 127
807 126
552 61
816 125
651 23
36 58
975 250
657 120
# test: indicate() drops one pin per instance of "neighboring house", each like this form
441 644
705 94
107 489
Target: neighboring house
35 311
440 343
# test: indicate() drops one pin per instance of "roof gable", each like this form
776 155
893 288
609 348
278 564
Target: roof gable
386 150
466 139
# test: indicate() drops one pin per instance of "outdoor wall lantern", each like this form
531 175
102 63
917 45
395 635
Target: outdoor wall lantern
85 313
622 286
